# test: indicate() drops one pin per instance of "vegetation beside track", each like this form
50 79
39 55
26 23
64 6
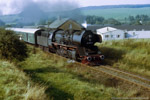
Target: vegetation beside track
59 79
66 80
131 55
46 76
11 48
16 85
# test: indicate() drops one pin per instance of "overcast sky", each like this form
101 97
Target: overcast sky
111 2
15 6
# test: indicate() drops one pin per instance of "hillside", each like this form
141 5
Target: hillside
2 23
117 13
115 6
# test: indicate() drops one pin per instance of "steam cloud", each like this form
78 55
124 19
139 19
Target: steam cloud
12 6
17 6
33 11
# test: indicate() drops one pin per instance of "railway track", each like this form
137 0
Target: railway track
122 75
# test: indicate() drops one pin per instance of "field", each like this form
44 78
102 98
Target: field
117 13
52 77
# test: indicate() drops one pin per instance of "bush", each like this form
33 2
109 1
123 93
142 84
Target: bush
11 47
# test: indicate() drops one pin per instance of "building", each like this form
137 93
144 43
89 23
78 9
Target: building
136 31
65 24
130 31
138 34
110 33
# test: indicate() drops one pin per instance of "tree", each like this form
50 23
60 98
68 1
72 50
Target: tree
11 47
131 18
94 20
112 21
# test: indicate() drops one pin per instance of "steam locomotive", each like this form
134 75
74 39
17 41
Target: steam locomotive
67 38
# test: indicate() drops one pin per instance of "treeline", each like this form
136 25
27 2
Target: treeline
131 20
101 20
138 20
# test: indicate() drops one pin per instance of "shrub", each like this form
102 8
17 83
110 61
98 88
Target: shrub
11 47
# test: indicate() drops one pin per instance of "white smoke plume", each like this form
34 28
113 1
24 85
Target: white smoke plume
16 6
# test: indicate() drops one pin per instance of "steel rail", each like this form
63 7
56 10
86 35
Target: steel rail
127 73
122 75
125 76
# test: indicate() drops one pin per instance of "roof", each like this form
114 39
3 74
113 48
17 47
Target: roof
95 27
58 23
133 27
26 30
121 27
66 24
106 29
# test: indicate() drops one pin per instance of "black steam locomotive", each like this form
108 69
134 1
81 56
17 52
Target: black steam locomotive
66 38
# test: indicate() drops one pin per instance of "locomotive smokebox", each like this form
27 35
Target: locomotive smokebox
86 38
89 39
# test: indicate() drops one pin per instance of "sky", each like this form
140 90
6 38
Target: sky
16 6
111 2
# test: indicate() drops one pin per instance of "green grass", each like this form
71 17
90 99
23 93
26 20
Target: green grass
45 76
130 55
15 85
118 13
70 81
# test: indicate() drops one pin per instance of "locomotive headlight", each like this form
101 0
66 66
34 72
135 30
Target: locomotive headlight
90 39
102 57
90 36
89 58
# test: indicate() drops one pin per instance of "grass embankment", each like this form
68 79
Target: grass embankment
131 55
15 85
69 81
